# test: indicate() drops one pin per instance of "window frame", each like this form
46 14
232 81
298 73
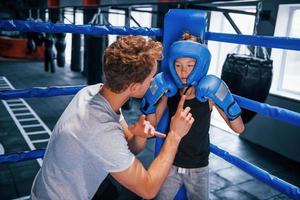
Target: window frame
216 66
285 17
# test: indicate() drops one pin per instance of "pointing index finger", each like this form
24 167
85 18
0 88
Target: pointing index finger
158 134
181 103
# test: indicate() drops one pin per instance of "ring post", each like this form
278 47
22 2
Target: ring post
195 23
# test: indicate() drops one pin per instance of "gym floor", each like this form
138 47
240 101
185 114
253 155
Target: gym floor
226 181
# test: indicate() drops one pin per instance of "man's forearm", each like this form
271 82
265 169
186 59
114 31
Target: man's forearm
160 167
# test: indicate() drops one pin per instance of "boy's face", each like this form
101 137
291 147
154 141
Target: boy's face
183 67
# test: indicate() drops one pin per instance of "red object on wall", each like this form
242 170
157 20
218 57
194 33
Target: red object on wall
167 1
17 48
53 3
91 2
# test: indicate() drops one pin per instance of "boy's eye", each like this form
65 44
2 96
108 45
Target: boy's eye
191 65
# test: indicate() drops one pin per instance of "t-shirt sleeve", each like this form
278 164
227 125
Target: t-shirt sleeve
121 116
113 153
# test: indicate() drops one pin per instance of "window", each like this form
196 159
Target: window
143 18
219 50
69 19
218 23
286 70
118 19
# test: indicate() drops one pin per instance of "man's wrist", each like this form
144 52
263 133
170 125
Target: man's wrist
133 132
139 138
174 136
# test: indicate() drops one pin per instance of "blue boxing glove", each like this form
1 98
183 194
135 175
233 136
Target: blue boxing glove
214 88
161 84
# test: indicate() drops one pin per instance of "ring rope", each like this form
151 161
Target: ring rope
282 114
275 112
262 175
48 27
21 156
256 40
39 92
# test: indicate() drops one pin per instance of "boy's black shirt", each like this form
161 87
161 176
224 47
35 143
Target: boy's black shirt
193 150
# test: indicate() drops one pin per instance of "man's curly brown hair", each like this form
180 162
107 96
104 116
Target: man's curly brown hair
128 60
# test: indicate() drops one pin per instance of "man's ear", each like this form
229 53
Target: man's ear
134 87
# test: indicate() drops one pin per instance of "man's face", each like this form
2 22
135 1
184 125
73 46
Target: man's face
184 67
145 85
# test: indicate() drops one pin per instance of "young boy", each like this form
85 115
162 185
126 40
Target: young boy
188 65
91 139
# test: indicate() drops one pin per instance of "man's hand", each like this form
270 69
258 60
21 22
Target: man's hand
144 129
146 183
182 121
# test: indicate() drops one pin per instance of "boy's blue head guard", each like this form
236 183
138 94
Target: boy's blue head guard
190 49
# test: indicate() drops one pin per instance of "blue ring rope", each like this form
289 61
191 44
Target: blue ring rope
278 113
262 175
21 156
256 40
47 27
39 92
267 110
33 26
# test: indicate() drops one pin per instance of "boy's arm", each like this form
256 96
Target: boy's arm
146 183
160 108
215 89
237 125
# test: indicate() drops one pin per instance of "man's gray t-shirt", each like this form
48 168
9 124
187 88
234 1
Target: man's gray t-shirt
87 143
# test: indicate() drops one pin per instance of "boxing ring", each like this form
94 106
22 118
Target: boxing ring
195 23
